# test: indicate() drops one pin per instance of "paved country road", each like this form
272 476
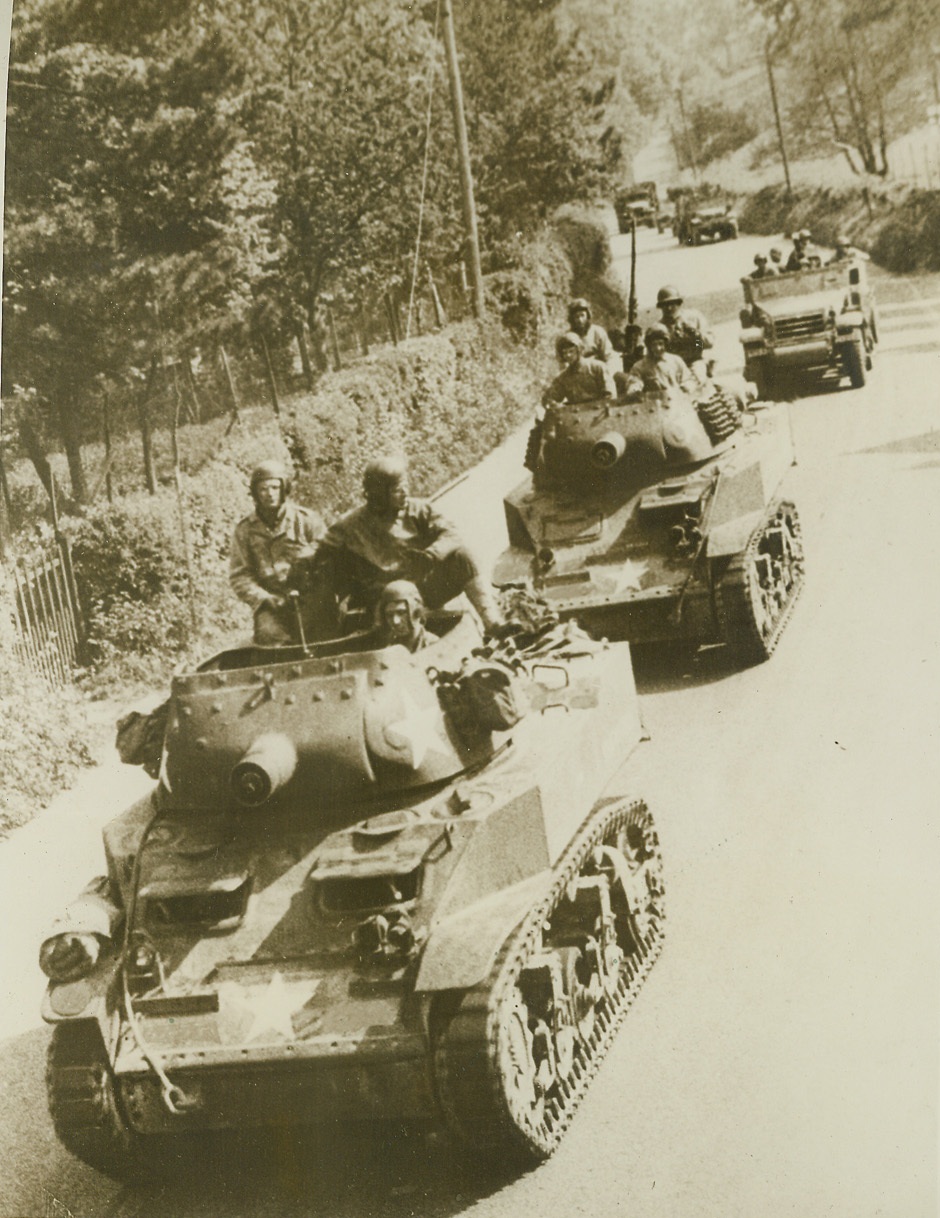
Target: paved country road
782 1059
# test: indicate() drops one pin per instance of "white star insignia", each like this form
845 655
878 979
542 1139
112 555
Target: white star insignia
629 575
419 730
271 1009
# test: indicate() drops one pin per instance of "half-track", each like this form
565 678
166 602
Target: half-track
369 884
658 520
802 326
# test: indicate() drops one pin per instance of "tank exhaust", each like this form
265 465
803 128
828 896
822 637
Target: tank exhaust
608 450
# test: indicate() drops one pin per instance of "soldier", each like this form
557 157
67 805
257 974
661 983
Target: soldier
659 370
845 251
776 258
394 537
582 379
265 547
689 336
595 343
762 268
800 255
399 617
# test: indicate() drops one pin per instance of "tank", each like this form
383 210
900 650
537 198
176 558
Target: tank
660 519
368 885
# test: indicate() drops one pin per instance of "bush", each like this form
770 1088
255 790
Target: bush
43 735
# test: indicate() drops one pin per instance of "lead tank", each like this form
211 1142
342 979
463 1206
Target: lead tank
660 519
368 884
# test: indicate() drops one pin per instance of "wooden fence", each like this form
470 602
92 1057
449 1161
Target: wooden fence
47 617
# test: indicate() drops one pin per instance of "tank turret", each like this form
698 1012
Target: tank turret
369 883
660 519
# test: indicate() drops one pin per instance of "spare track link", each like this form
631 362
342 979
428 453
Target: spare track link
740 588
471 1079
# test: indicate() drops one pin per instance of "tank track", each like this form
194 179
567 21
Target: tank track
484 1100
758 591
84 1107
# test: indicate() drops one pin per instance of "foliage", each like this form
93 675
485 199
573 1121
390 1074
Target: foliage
42 738
714 130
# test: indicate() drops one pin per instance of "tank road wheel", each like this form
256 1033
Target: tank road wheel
853 359
82 1100
761 585
514 1056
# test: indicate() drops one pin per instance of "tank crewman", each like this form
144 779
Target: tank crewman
582 379
689 335
659 370
265 547
800 256
776 258
595 343
762 267
393 536
399 617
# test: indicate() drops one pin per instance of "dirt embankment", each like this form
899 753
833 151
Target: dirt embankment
898 226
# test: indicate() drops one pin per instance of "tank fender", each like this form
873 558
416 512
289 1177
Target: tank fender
462 948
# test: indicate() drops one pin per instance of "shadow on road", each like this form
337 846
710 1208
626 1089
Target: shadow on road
337 1171
664 667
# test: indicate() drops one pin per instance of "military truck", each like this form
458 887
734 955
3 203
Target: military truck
639 204
369 884
698 221
802 327
660 520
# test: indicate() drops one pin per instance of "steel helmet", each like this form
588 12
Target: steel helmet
570 339
760 259
269 470
668 295
656 330
842 239
579 303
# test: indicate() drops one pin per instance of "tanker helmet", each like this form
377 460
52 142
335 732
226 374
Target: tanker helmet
269 471
656 330
564 341
579 303
668 295
380 477
400 591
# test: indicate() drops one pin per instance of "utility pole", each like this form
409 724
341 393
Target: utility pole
463 156
687 135
773 98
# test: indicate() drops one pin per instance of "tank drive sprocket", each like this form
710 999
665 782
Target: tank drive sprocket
515 1055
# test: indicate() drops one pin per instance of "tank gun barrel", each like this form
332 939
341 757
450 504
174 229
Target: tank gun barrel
266 765
608 450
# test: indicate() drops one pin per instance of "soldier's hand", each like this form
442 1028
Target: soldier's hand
275 601
68 957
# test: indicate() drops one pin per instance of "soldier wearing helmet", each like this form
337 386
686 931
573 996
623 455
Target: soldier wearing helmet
762 268
776 258
689 335
393 536
595 343
659 370
845 251
800 255
265 546
582 379
399 616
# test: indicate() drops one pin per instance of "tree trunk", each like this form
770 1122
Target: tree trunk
70 434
